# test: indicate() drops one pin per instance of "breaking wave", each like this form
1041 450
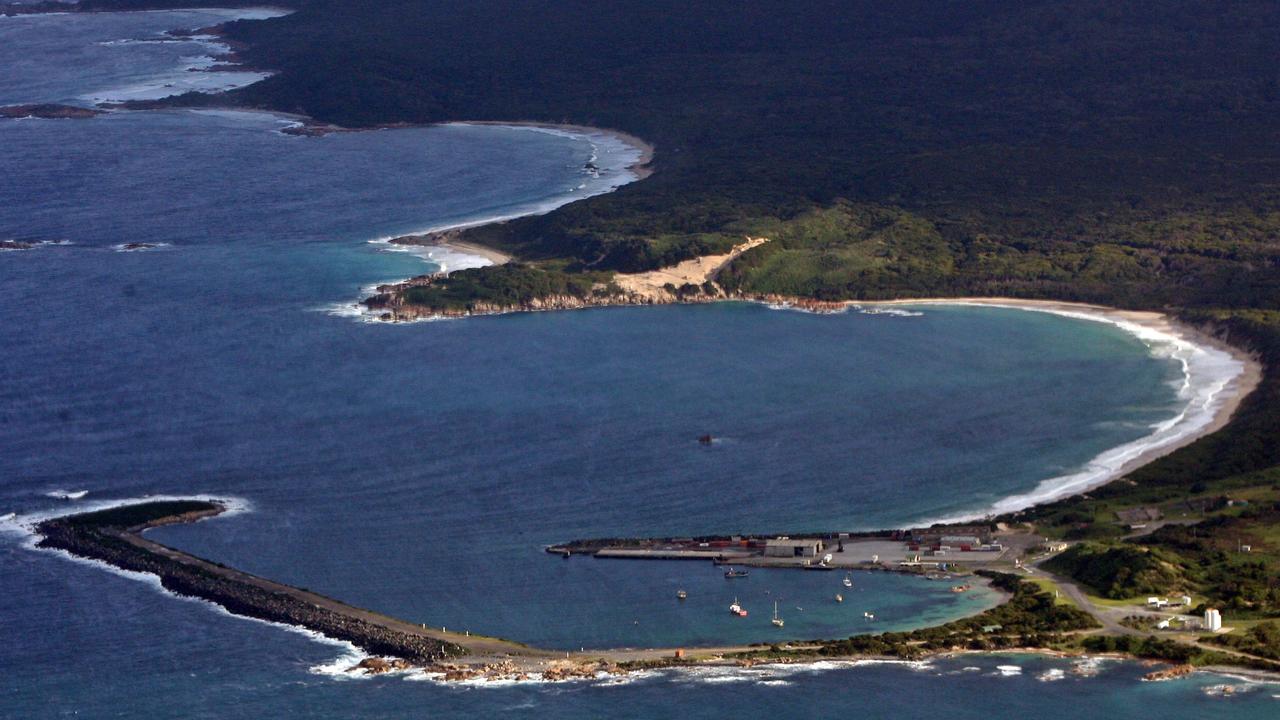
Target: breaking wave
1208 375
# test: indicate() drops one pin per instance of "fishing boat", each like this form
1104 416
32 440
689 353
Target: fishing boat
777 621
869 615
960 588
848 580
681 595
839 597
731 574
736 609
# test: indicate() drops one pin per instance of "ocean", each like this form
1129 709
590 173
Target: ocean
419 469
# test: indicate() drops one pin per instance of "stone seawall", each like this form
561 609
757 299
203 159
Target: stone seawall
244 594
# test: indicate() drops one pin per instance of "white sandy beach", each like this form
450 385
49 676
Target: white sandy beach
1216 379
441 244
1217 376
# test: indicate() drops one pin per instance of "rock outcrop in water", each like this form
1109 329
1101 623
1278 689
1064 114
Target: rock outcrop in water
48 111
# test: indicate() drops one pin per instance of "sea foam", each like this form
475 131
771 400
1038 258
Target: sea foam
24 527
192 71
614 156
1207 374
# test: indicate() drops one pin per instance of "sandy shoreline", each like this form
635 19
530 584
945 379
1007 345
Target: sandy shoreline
447 240
1223 402
1216 376
640 168
458 253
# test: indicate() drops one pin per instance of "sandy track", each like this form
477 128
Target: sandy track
696 271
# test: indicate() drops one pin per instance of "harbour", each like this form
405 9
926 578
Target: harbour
918 551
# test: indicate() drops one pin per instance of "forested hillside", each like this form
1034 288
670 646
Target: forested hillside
1120 152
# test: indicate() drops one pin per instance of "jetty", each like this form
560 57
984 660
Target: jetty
114 536
919 550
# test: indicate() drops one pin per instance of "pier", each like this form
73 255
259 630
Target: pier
908 551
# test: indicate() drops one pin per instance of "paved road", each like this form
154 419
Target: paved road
1105 616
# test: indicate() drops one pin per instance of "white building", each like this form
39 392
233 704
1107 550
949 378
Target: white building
1212 620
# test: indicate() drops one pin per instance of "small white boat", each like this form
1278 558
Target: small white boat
777 621
736 609
681 595
839 597
869 615
848 580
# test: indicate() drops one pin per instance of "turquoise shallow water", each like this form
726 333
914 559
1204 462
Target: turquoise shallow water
419 469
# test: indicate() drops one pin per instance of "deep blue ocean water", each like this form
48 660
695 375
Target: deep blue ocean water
419 469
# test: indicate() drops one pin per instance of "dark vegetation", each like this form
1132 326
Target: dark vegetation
1153 648
505 285
1122 571
1123 153
1262 639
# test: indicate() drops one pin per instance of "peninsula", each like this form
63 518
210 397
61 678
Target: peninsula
989 150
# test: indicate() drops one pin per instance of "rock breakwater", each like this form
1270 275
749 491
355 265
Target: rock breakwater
105 536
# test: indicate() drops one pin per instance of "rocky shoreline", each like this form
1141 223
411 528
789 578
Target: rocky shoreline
47 111
389 305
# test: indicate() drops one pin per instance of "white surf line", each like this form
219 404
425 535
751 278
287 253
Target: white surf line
623 157
24 526
190 73
1210 375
